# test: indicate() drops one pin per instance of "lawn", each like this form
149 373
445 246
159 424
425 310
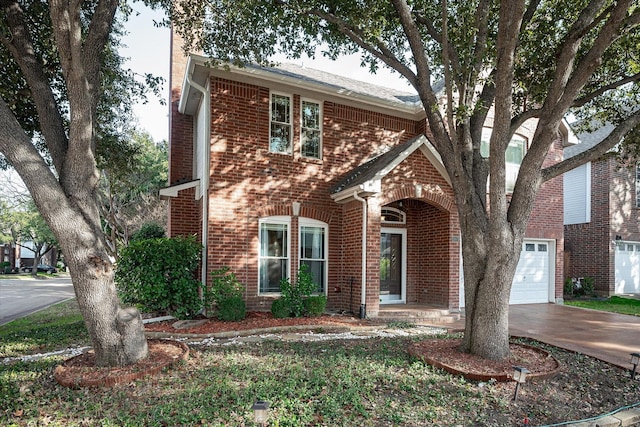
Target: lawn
337 382
612 304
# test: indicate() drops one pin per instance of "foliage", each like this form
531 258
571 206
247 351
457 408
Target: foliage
149 230
280 308
294 294
567 288
315 305
129 185
159 275
588 285
226 293
614 304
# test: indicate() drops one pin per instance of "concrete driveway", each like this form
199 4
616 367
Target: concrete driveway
20 297
607 336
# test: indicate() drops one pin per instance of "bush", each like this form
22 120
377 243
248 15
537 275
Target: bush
232 309
280 308
295 294
226 293
149 230
568 286
5 267
159 275
588 285
314 305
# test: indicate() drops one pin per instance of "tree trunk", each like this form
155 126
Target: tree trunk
117 334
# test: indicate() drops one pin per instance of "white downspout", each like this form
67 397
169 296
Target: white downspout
204 180
363 295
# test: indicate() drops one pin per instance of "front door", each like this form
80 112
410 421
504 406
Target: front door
392 265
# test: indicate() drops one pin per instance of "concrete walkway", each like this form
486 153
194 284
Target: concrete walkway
606 336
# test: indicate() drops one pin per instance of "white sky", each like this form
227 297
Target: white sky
148 49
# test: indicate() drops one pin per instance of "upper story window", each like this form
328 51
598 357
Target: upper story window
392 216
637 185
310 129
280 131
513 156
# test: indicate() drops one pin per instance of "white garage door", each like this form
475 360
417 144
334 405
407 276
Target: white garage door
627 267
531 282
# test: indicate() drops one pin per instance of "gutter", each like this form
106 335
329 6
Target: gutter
204 188
363 293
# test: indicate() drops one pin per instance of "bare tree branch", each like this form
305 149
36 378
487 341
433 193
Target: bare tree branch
600 91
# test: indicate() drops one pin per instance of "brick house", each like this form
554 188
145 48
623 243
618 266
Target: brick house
602 220
277 167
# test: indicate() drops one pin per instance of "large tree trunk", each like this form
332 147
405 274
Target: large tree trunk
487 293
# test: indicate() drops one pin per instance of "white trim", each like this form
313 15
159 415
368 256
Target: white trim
291 136
309 222
320 118
280 219
400 213
173 190
403 266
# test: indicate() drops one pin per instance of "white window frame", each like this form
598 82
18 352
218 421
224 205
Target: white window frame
511 169
402 215
289 123
302 127
308 222
278 220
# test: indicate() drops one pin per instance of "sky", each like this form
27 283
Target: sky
148 50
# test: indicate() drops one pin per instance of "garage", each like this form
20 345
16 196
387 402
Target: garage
627 261
532 281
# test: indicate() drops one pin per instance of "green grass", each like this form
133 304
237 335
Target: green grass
367 382
55 328
613 304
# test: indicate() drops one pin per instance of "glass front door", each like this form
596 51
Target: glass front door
391 266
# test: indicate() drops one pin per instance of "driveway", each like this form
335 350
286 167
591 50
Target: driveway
20 297
607 336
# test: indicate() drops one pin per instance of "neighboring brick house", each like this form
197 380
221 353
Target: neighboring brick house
288 166
602 220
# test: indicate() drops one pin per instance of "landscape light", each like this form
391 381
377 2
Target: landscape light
519 376
260 412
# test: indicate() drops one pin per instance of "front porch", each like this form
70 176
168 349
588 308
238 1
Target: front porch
419 314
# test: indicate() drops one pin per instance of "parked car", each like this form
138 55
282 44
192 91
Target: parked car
42 268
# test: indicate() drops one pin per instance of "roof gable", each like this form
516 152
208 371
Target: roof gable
366 178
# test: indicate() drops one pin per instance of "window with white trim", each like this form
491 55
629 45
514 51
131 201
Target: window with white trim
514 154
310 129
313 250
275 240
280 131
390 215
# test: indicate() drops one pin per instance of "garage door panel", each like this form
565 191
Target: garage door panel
531 281
627 266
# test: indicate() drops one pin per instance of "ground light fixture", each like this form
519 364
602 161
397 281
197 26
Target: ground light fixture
635 360
519 376
260 412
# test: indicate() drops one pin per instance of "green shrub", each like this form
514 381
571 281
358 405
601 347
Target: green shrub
149 230
315 305
159 275
226 293
588 285
232 309
568 286
5 267
295 294
280 308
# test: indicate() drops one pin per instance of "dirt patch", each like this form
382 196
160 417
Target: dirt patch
81 370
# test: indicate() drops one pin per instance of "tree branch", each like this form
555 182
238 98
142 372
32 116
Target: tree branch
594 152
21 48
600 91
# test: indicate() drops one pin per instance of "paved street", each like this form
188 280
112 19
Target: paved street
20 297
